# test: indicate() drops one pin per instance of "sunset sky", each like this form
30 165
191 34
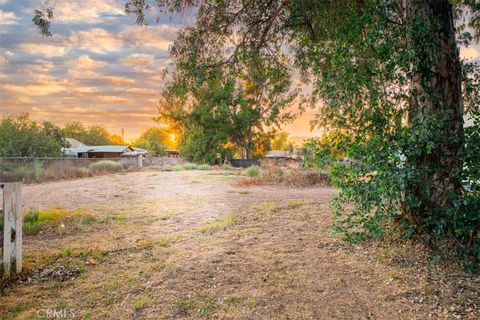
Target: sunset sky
98 68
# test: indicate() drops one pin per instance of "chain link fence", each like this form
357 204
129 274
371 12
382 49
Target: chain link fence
28 170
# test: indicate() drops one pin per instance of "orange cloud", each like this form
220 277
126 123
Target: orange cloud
48 50
470 53
157 37
138 59
119 81
95 40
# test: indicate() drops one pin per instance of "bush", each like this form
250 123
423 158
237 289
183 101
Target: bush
105 166
177 168
167 167
204 167
252 171
190 166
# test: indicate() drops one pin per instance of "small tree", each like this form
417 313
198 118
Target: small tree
94 135
152 139
22 137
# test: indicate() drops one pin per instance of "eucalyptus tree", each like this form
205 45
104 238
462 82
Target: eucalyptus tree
388 71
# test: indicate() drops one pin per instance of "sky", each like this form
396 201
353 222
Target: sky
98 68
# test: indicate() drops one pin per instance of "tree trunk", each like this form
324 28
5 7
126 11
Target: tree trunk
436 98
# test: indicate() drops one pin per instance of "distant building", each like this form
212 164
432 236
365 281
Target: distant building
173 153
74 143
280 154
78 149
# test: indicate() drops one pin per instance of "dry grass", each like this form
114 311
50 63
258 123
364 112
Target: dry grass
187 257
289 177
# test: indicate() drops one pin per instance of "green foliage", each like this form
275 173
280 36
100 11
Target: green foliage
91 136
177 168
280 142
320 153
22 137
105 166
252 171
35 219
218 224
190 166
152 140
204 167
224 109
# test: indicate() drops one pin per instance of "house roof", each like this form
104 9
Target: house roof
106 149
74 143
278 154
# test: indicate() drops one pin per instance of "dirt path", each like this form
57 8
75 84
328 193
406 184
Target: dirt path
190 244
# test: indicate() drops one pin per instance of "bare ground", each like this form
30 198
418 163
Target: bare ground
191 244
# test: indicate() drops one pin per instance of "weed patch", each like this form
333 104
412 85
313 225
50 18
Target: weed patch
218 224
203 304
268 207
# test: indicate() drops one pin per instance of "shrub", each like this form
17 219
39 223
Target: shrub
167 167
177 168
203 167
252 171
26 173
190 166
105 166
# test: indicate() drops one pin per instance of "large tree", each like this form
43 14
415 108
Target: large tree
388 71
223 108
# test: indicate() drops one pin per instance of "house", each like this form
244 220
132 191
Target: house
108 151
280 154
73 145
78 149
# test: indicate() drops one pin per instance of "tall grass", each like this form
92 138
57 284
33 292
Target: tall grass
105 166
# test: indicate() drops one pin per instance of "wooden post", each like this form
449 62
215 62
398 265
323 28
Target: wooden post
12 226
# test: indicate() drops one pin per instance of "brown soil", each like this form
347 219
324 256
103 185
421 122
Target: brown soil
194 244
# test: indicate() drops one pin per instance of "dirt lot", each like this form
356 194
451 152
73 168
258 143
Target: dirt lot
192 244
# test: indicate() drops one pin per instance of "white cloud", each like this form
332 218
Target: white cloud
7 18
154 37
95 40
470 53
47 50
84 67
85 62
86 11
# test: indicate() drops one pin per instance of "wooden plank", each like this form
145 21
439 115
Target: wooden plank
18 226
7 228
12 222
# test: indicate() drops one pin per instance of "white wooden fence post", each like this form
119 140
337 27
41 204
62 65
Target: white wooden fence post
12 226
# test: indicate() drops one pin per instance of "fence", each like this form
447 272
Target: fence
11 221
21 169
